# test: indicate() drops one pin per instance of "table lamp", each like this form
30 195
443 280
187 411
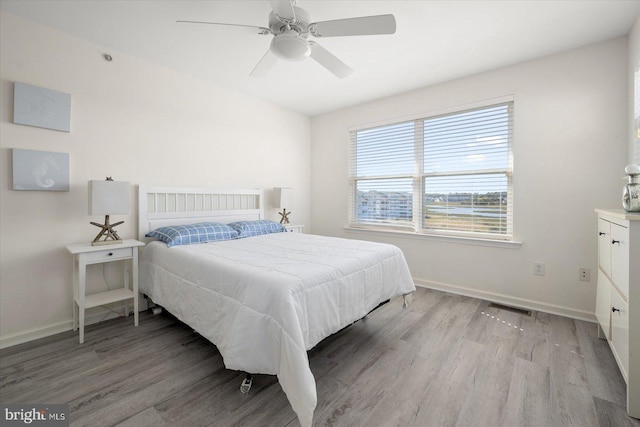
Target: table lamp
106 198
282 201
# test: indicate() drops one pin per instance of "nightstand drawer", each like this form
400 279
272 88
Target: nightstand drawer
293 228
107 255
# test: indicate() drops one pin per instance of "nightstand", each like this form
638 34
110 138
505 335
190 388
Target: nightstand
85 254
294 228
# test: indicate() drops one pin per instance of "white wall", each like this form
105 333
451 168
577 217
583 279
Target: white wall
134 121
634 63
570 149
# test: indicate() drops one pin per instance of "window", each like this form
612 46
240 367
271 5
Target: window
448 174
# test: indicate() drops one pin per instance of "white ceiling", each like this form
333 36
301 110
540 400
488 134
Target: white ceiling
435 41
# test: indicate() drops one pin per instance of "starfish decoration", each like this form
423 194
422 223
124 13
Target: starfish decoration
285 216
107 234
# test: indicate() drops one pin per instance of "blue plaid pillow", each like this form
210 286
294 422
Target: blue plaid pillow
255 228
193 233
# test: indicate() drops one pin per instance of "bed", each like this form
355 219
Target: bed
266 299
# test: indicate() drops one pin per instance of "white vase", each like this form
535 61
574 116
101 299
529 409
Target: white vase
631 191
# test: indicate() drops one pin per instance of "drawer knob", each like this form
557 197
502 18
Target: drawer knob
613 309
613 242
601 233
110 253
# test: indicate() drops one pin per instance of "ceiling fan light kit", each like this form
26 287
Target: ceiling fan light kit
290 46
290 27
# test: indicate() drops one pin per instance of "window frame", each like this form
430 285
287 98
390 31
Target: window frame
418 178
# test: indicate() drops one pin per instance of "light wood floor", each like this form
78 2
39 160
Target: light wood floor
446 361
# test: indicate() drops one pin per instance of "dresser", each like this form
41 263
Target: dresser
618 295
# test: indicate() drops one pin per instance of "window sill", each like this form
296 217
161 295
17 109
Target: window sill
507 244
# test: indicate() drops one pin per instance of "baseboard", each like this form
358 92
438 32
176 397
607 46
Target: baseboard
34 334
509 300
57 328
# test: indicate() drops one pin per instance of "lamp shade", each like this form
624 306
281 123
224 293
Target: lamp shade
283 197
109 198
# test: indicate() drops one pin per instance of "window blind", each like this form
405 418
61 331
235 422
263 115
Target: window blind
449 174
382 170
467 171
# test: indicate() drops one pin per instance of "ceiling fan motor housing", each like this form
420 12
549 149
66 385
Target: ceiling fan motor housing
299 23
290 35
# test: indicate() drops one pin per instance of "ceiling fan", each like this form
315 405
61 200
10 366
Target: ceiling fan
290 26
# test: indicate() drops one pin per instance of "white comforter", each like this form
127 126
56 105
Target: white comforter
265 300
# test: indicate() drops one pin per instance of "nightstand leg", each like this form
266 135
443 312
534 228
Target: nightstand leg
127 273
74 279
75 315
82 272
134 278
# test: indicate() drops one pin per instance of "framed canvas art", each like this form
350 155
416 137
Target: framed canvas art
40 170
40 107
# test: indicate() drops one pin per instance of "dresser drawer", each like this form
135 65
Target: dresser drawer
620 258
604 246
107 255
603 303
620 331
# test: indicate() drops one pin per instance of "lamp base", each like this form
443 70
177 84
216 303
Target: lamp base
107 235
285 216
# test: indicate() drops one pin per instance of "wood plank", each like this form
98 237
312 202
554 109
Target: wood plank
485 404
607 383
571 398
611 414
529 397
147 418
446 394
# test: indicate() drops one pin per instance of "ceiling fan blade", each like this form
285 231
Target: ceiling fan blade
329 61
362 26
283 9
261 30
264 66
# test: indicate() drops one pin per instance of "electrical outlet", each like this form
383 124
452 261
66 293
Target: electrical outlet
538 268
584 275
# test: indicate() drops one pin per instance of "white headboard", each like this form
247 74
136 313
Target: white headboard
162 206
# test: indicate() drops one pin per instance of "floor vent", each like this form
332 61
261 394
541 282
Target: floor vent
509 308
